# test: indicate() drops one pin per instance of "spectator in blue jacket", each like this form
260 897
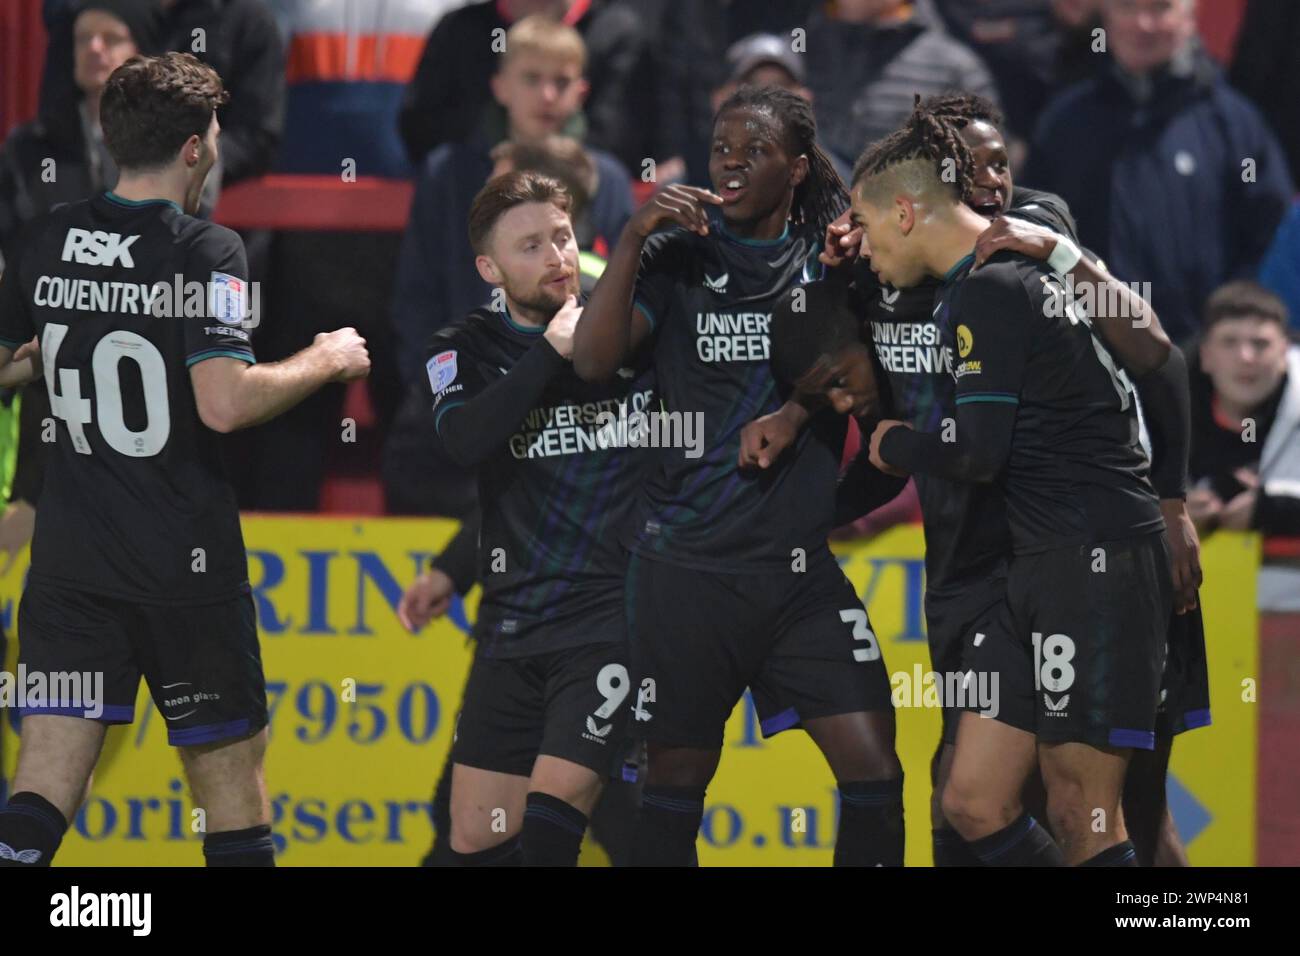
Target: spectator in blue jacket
1280 270
1174 177
539 92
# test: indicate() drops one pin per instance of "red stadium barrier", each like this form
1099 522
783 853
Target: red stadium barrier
370 204
1278 775
22 58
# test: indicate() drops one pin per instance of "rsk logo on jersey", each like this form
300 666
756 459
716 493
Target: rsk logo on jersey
98 248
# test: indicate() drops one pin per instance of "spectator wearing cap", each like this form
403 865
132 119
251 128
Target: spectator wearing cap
1245 456
538 94
445 99
763 59
1173 176
868 60
695 37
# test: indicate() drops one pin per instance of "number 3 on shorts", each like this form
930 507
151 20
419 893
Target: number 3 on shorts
861 632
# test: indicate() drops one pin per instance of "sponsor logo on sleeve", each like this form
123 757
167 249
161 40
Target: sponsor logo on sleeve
442 370
227 298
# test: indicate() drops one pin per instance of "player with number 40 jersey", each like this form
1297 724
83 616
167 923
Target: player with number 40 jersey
135 312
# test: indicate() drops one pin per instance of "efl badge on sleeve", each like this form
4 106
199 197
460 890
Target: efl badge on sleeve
442 370
228 298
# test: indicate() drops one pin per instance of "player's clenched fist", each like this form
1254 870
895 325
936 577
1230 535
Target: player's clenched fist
427 598
676 205
347 353
763 439
559 331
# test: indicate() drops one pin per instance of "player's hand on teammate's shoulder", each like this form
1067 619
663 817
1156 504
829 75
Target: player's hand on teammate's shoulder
1184 553
1018 235
764 439
346 350
675 205
843 242
559 331
873 451
427 598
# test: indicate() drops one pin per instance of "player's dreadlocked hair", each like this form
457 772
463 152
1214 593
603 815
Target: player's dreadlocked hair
963 108
926 138
821 197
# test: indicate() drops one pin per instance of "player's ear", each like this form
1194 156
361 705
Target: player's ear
905 214
192 150
487 270
799 172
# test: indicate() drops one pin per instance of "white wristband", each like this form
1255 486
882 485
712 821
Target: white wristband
1064 257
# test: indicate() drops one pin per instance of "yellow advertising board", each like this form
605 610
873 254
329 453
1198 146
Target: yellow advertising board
351 775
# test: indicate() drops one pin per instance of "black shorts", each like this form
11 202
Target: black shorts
573 703
1079 652
801 641
1185 685
202 663
953 621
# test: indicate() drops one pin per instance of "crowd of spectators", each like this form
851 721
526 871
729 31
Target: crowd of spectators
1179 170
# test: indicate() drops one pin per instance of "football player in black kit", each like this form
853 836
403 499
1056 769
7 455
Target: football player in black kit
559 460
732 583
1041 407
967 540
138 564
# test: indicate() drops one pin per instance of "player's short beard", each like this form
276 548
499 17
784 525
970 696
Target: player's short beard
540 302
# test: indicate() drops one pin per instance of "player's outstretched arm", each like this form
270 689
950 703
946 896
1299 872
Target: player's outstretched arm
1124 319
231 394
611 328
21 366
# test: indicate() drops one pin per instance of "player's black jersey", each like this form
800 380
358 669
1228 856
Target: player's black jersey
1076 473
966 533
126 297
555 497
710 301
